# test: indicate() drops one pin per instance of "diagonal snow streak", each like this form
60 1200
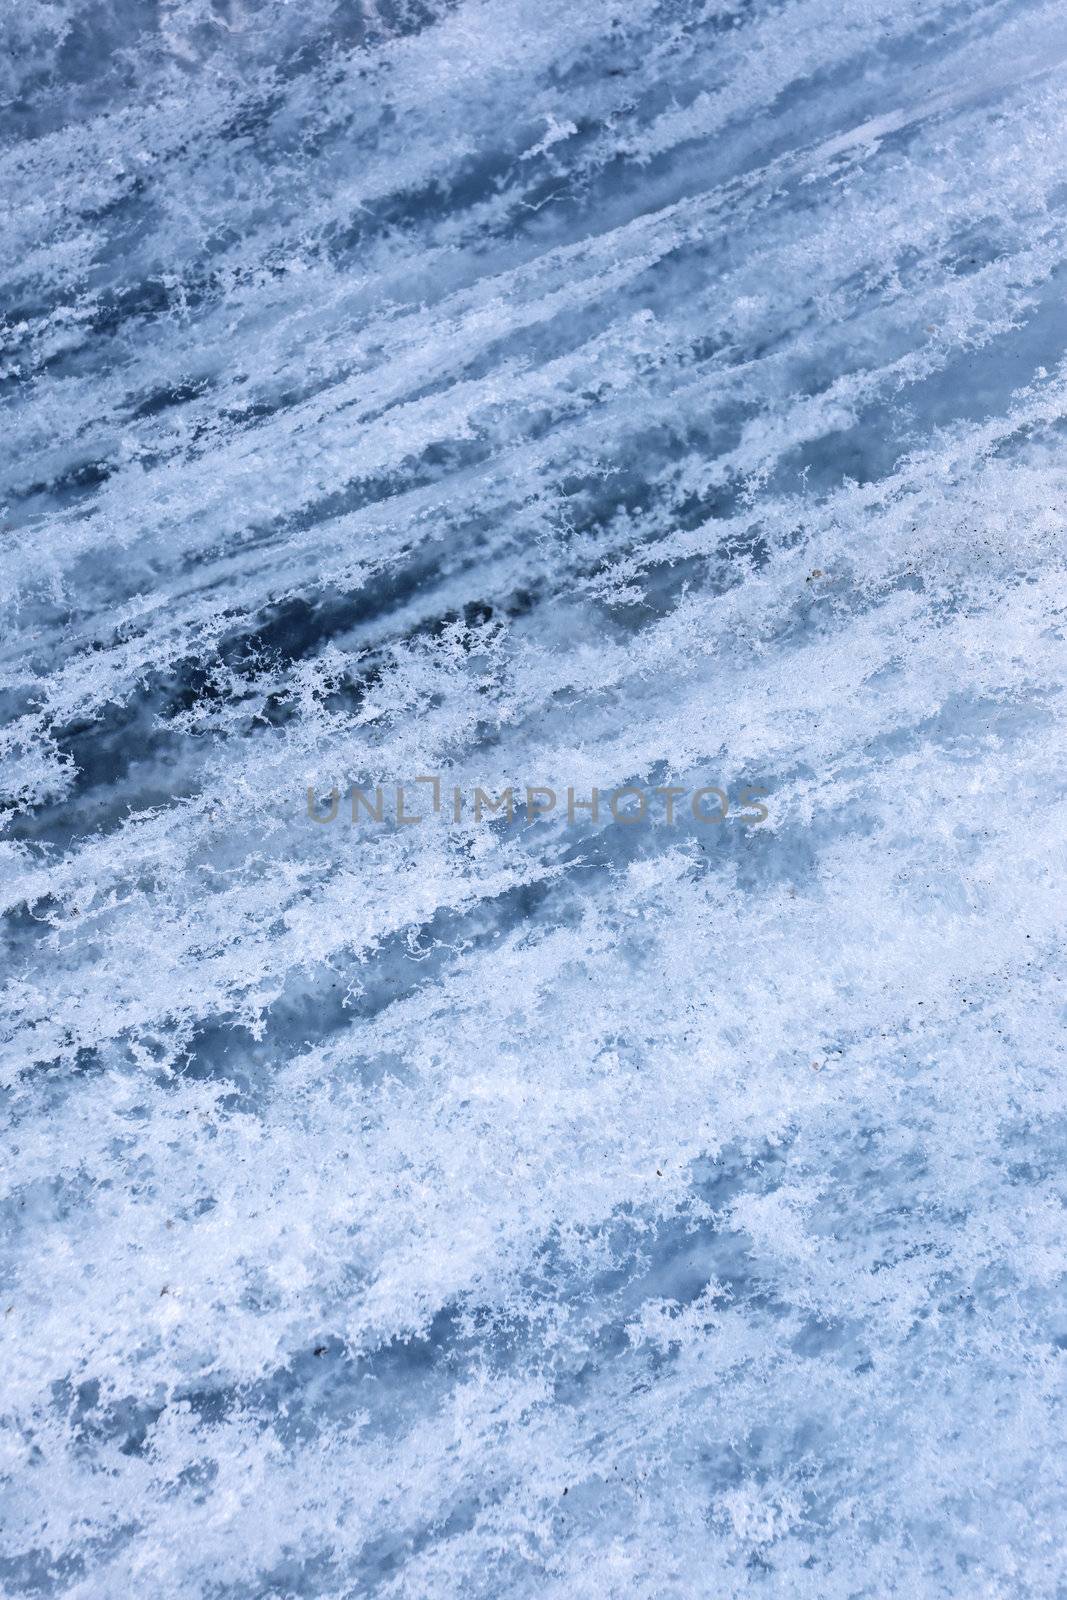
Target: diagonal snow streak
522 391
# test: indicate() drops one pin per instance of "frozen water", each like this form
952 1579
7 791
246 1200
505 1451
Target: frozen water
512 391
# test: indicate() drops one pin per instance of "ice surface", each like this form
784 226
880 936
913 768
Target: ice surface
575 394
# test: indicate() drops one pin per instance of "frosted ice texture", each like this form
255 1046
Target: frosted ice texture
572 393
